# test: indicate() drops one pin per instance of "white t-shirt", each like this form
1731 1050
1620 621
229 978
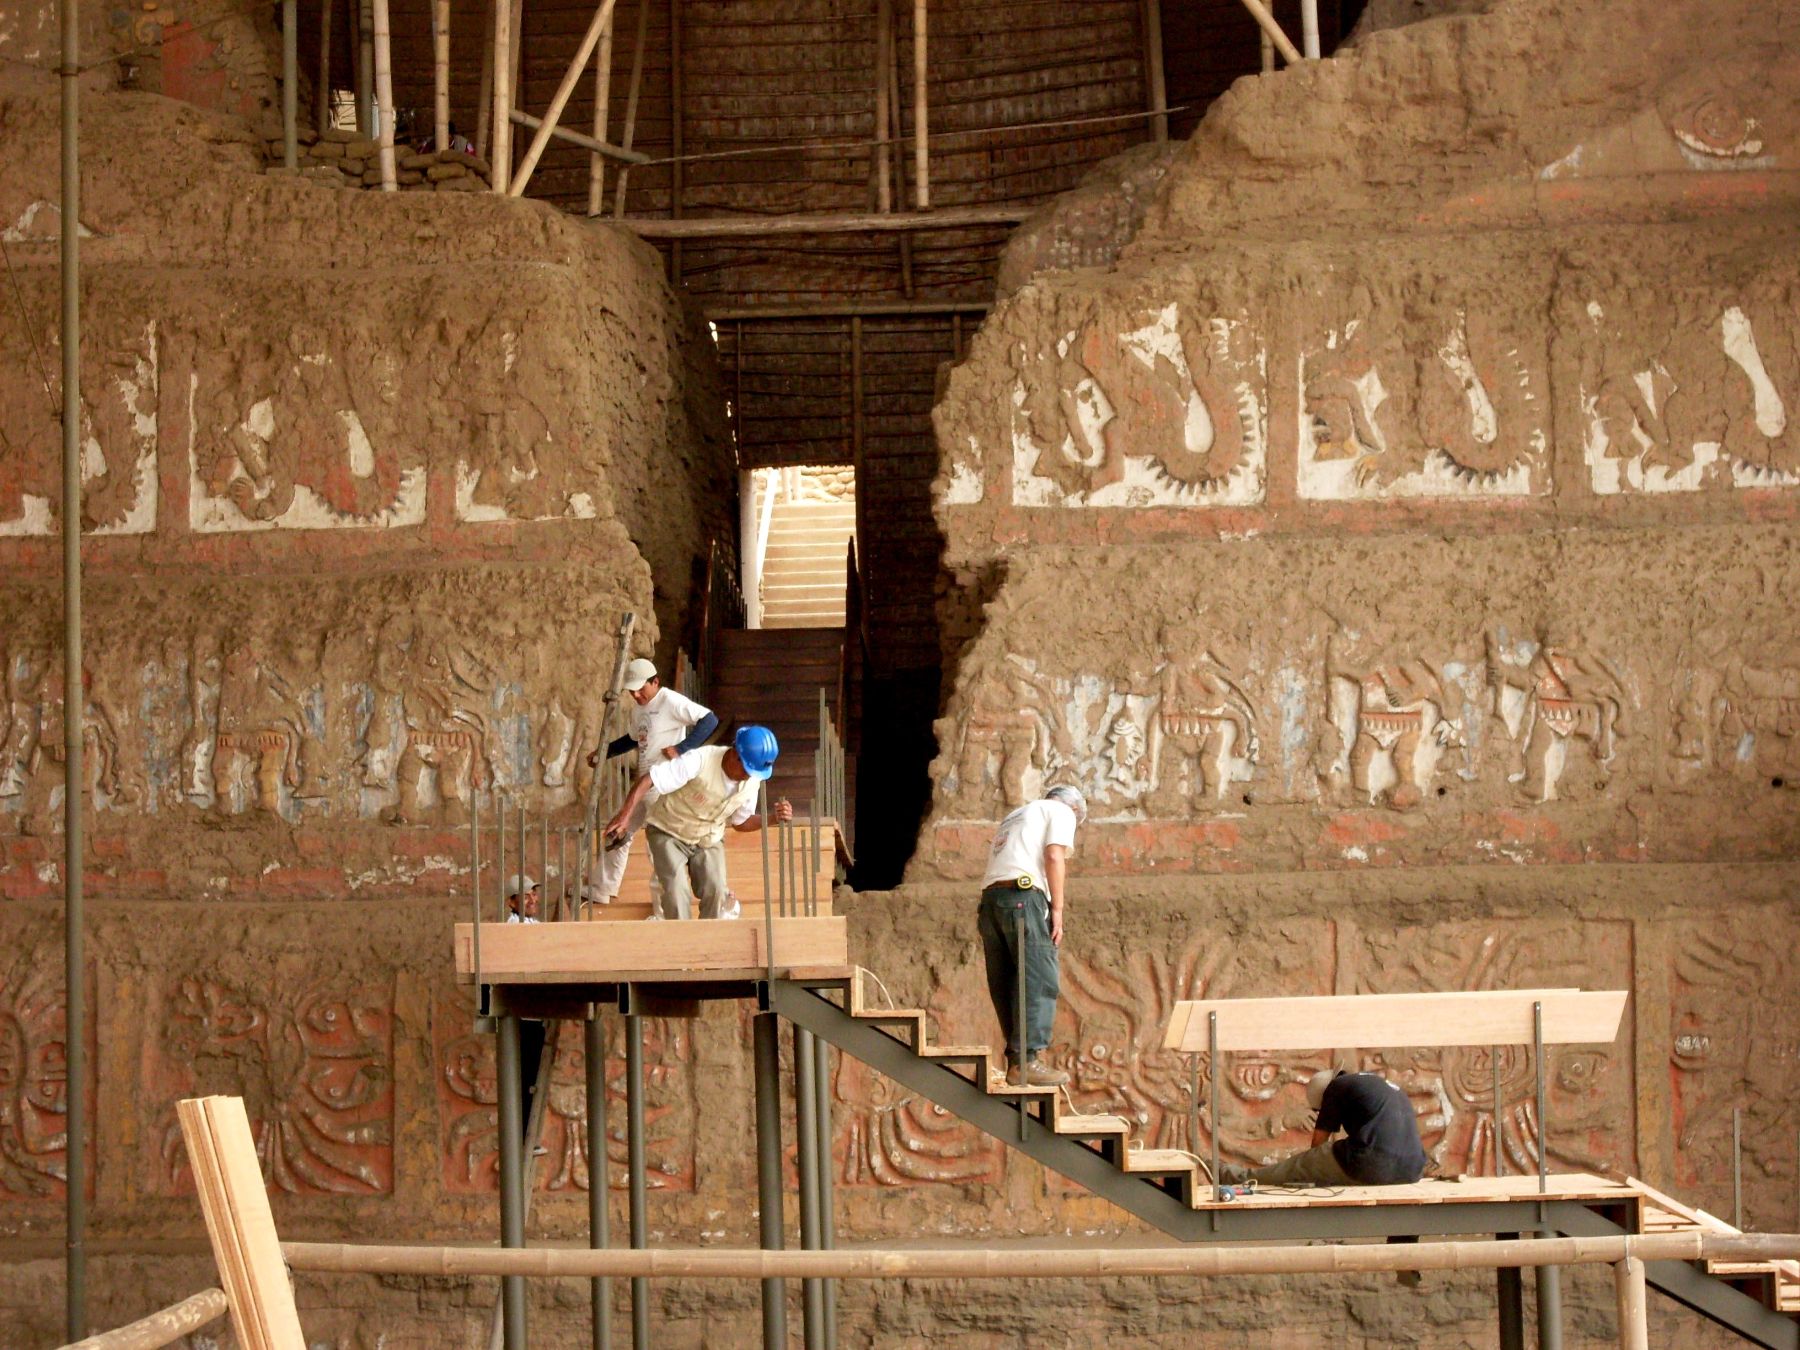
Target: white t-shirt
1020 841
711 801
662 722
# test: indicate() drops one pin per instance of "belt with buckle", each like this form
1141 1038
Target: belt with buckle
1026 884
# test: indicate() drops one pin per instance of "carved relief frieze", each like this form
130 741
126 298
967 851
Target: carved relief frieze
34 1140
1392 719
1565 707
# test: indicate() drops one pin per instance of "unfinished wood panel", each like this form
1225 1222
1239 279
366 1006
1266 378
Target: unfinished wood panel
1484 1017
563 953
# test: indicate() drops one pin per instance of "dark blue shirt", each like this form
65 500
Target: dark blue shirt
1381 1144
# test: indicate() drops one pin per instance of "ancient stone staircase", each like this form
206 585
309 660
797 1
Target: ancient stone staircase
1170 1188
803 568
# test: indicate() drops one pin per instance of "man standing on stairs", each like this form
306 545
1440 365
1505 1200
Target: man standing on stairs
1024 879
664 725
699 793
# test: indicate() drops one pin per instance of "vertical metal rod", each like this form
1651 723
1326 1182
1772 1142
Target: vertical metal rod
827 1223
599 1169
1543 1105
1737 1168
544 868
1499 1138
1510 1292
512 1179
322 94
1193 1120
74 699
634 1149
290 84
564 901
812 870
522 844
475 889
762 798
1212 1108
806 1164
1549 1306
768 1170
1022 1053
499 857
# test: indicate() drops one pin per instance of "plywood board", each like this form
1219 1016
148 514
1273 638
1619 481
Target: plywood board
1332 1022
564 953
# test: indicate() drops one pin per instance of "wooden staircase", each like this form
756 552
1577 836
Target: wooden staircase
803 568
773 676
1775 1283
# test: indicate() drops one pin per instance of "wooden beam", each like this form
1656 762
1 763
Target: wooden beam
589 953
1480 1017
603 60
848 222
440 73
921 117
867 309
881 163
501 118
163 1327
1266 21
525 119
235 1204
1156 87
633 89
552 115
384 93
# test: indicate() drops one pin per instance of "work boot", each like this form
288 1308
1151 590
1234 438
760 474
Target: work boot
1037 1074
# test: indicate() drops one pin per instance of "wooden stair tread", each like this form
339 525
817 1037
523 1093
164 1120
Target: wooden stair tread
1163 1160
955 1052
1092 1125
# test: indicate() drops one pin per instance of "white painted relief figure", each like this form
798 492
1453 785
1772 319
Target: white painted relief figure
1554 699
1390 716
429 734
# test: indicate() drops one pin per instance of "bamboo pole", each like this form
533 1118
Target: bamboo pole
322 93
1266 21
535 151
1634 1329
440 71
848 222
846 309
1156 85
586 142
882 168
921 127
677 174
1267 48
384 93
290 84
365 73
163 1327
356 66
1036 1262
1309 28
500 125
603 60
897 132
484 101
631 99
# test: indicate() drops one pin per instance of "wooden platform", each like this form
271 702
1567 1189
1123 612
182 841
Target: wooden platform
674 950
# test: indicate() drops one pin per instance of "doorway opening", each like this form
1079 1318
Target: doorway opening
798 524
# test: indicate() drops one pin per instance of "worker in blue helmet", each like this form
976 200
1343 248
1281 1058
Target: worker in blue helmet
702 792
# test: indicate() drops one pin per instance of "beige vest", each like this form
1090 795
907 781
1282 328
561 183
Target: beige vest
698 813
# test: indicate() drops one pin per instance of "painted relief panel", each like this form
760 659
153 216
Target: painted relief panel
468 1105
120 388
34 1139
1697 392
1735 1045
1735 710
1589 1089
1157 405
313 1058
1442 399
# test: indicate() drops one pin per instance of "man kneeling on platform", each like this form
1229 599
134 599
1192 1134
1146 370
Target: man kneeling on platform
701 792
1380 1146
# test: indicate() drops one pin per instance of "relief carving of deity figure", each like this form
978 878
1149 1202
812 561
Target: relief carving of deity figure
1390 717
1203 735
1010 727
428 731
262 745
1568 697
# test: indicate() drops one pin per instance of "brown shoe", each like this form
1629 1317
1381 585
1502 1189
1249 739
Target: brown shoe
1037 1074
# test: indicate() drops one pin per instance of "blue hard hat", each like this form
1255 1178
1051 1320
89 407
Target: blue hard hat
756 749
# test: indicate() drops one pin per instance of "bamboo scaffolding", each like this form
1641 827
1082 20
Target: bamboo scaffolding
322 94
440 73
162 1327
635 87
484 101
365 73
881 167
850 222
384 93
1266 21
847 309
921 119
1153 65
525 119
571 76
603 60
500 124
677 174
1038 1262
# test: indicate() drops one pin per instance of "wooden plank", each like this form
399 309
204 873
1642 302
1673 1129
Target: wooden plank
1480 1017
560 953
235 1204
1574 1186
638 911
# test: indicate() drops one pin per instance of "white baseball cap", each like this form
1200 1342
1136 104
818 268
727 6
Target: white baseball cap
638 674
518 885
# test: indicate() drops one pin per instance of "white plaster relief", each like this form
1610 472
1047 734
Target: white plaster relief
964 488
576 505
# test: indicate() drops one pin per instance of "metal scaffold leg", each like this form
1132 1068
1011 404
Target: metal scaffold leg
1511 1289
767 1047
598 1168
512 1179
634 1147
1549 1306
827 1221
806 1149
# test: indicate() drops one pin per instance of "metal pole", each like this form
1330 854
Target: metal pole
290 84
564 901
806 1164
475 889
677 179
1021 1054
1193 1121
1543 1123
499 858
1737 1168
762 798
827 1224
768 1170
512 1180
598 1169
544 869
812 870
1510 1289
322 94
1499 1149
74 699
634 1148
1212 1108
1549 1306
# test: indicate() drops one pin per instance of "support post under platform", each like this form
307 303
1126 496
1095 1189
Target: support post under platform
598 1168
806 1150
1510 1286
767 1047
1549 1306
827 1222
634 1146
512 1179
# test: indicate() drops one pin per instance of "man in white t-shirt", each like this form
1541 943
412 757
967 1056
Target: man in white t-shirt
664 725
698 795
1024 880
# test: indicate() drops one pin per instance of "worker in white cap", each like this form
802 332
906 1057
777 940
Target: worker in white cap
664 725
521 899
1024 880
1380 1146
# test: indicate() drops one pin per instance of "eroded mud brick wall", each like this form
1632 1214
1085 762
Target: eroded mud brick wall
1394 540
